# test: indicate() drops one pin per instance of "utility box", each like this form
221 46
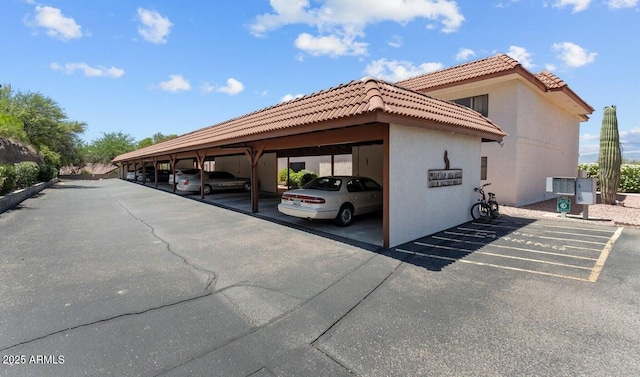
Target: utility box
586 191
565 186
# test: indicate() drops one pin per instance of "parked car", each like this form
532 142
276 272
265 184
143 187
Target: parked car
134 174
183 173
214 181
163 176
335 197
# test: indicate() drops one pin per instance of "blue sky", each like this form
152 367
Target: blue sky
168 66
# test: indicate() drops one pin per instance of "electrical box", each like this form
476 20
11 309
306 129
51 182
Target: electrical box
562 185
586 191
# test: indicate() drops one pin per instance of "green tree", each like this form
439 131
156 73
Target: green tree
109 146
147 141
43 122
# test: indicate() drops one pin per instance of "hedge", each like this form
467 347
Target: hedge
296 180
629 176
24 174
7 178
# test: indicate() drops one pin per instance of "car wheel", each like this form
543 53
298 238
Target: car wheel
207 189
345 215
247 186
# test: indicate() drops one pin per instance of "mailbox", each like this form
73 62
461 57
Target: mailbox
586 191
562 185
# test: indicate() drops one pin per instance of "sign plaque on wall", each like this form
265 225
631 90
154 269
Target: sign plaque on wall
445 177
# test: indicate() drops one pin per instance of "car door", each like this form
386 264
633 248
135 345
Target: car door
373 193
357 196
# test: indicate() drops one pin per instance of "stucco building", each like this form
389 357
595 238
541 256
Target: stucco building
539 112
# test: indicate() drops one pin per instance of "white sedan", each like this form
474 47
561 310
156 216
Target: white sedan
337 197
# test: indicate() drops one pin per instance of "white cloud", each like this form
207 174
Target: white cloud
464 54
176 83
521 55
393 70
619 4
395 41
573 55
57 25
154 28
233 87
88 71
578 5
550 67
290 97
329 45
340 22
630 139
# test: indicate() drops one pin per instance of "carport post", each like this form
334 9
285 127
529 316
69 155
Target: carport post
254 157
155 169
201 166
144 173
172 161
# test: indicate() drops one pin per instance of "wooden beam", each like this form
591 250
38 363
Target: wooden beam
201 155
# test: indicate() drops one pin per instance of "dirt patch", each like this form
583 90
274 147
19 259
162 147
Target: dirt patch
626 213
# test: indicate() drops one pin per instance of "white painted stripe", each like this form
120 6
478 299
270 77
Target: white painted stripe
603 256
512 248
492 265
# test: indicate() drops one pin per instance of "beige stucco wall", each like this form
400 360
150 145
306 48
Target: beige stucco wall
368 161
240 167
415 209
543 140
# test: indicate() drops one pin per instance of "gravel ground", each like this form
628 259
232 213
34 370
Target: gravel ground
626 213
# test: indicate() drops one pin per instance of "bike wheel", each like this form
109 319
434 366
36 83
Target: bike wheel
479 211
495 210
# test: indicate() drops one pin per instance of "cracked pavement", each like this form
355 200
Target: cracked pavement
123 280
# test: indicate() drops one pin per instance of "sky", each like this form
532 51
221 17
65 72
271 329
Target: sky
148 66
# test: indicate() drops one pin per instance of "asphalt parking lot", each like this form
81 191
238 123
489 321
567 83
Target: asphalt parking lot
562 250
112 278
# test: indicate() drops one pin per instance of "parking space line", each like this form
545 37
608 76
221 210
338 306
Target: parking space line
575 234
558 239
491 265
545 225
470 235
544 252
514 257
603 256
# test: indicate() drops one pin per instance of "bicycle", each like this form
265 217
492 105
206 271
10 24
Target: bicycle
485 209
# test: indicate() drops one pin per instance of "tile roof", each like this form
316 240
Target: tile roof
358 97
550 80
497 64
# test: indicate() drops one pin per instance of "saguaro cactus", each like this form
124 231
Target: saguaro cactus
610 157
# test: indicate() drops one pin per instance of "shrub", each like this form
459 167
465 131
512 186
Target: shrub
26 174
7 178
629 176
296 180
47 173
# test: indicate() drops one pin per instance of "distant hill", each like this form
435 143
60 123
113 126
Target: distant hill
593 157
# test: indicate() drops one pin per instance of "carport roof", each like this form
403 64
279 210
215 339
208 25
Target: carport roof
388 103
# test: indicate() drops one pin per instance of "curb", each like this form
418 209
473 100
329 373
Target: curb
13 199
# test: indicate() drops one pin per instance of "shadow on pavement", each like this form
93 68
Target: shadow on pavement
439 250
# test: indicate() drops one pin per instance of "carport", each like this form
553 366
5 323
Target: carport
418 135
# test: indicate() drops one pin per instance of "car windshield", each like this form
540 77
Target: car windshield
324 183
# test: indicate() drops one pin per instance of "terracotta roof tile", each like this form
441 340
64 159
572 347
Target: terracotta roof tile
354 98
550 80
492 65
